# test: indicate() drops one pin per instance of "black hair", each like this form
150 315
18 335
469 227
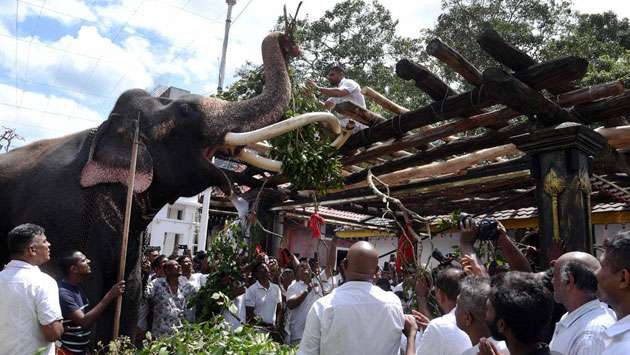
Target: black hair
337 68
181 258
617 249
157 261
257 266
20 237
584 276
66 262
524 304
448 281
384 284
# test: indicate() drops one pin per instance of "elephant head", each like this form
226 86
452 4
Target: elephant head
179 137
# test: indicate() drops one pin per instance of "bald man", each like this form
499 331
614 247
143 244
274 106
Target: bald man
580 330
357 317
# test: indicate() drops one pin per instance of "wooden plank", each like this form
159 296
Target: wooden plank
454 60
433 134
460 146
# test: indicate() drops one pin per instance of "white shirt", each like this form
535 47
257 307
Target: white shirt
354 93
617 337
403 342
355 318
196 280
28 298
499 344
297 315
580 332
234 323
264 301
443 337
355 96
328 284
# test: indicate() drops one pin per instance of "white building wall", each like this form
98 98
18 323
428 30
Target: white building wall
163 229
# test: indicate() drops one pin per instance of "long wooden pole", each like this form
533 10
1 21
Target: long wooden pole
125 236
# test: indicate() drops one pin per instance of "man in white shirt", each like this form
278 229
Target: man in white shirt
613 280
470 313
344 90
29 299
357 317
263 299
579 331
300 297
433 342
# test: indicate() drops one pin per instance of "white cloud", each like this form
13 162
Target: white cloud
43 116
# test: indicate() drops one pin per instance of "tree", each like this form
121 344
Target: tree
8 136
527 24
604 40
357 34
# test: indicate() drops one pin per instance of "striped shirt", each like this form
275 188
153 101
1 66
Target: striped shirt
75 338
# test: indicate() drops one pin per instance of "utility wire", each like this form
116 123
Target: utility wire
20 107
243 10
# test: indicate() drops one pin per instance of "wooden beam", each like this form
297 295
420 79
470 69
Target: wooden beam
433 134
510 91
493 44
451 166
358 113
538 77
424 79
603 109
383 101
499 171
460 146
590 94
454 60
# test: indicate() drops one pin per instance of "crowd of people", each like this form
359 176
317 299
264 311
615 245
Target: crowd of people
580 305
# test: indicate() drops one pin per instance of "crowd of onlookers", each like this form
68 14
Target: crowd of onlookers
580 305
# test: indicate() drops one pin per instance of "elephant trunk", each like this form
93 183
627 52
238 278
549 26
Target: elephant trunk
264 109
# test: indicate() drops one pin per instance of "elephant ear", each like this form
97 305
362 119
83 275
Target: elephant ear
110 156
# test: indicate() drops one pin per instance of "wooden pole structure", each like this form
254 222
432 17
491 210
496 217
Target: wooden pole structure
125 236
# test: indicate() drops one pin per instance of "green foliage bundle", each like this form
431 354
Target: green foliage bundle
212 337
225 276
308 159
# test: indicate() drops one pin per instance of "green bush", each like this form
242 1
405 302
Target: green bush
212 337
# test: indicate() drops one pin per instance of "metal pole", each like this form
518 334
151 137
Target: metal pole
228 22
203 225
125 236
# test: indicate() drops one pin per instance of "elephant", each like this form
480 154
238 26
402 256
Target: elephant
75 186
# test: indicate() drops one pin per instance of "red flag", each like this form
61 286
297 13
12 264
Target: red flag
404 255
314 223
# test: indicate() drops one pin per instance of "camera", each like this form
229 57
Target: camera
486 227
441 258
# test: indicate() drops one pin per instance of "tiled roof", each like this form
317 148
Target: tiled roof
530 212
351 216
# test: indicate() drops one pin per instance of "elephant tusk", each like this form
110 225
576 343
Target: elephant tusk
250 157
277 129
260 147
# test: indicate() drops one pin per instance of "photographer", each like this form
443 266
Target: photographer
300 297
493 231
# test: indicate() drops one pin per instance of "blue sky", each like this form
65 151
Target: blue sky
63 63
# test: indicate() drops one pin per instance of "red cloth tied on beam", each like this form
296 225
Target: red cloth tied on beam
404 255
314 224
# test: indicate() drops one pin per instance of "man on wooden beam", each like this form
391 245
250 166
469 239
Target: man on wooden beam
344 90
